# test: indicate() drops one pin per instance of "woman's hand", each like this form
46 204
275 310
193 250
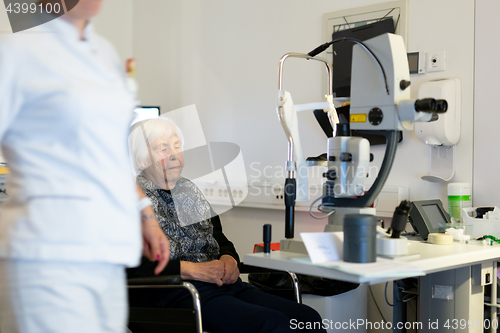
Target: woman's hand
155 244
211 272
231 271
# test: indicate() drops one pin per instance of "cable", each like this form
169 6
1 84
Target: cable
325 46
404 299
387 15
374 301
385 294
407 298
320 49
318 217
417 309
493 238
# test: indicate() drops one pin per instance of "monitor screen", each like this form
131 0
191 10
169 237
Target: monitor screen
342 52
413 62
145 112
435 216
428 216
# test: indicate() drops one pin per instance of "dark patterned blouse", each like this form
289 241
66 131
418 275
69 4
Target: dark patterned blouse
186 218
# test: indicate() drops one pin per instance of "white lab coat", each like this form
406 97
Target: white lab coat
64 117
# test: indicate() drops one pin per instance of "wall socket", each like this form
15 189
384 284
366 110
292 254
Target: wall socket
436 61
218 193
277 192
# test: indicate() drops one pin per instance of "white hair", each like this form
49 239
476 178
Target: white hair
142 136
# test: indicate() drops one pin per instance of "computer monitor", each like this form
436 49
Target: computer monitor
342 52
428 216
342 63
145 112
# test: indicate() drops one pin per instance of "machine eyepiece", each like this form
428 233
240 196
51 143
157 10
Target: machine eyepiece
425 105
441 106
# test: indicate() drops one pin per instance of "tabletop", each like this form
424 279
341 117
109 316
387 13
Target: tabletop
423 258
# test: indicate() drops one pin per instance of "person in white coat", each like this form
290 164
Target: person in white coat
71 223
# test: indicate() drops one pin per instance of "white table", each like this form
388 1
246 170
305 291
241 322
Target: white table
433 258
443 265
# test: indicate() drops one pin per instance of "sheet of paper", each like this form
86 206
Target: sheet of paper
323 246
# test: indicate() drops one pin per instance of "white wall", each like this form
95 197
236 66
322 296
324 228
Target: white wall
4 21
115 23
437 30
487 115
222 55
4 28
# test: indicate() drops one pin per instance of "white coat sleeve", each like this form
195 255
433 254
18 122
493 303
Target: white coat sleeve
10 88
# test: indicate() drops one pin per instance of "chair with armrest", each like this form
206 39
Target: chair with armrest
176 320
295 295
158 320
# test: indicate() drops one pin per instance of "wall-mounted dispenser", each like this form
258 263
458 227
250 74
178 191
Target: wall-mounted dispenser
442 134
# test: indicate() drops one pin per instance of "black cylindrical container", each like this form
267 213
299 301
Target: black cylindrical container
360 238
267 238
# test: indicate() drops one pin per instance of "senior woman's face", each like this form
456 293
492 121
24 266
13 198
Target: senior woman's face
169 161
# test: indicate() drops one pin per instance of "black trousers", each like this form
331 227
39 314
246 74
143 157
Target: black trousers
239 307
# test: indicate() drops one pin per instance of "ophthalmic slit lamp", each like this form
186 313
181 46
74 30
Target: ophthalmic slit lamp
380 104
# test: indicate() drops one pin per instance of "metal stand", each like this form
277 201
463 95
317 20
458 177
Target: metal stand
336 220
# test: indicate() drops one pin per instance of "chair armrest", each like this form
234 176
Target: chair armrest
171 281
246 269
155 280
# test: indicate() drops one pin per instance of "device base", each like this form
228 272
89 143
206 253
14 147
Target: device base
293 245
392 246
336 220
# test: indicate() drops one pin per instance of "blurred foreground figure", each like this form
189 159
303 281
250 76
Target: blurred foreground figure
71 223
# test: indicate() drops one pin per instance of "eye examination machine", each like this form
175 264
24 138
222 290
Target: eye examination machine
380 104
451 275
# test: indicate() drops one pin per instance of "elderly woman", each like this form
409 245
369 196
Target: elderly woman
199 250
